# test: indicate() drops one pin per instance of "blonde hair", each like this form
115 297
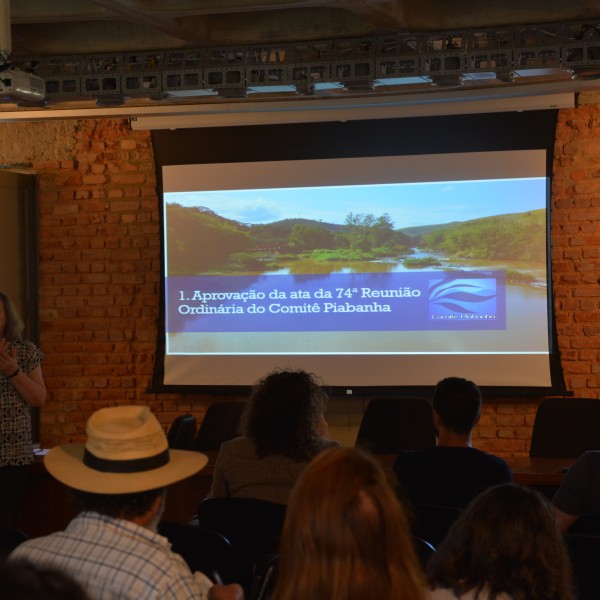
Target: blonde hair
346 536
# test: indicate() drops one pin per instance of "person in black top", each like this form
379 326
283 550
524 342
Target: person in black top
579 493
453 472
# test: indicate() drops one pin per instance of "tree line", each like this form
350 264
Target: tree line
199 240
514 237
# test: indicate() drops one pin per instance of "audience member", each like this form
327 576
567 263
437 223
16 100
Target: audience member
579 494
504 546
346 535
21 387
284 428
453 472
22 580
118 480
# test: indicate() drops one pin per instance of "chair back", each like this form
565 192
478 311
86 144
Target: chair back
10 538
202 549
182 432
432 522
221 423
424 549
264 576
252 526
392 425
584 550
566 428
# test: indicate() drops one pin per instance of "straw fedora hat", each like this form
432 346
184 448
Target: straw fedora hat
126 452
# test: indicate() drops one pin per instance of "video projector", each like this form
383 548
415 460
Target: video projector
19 85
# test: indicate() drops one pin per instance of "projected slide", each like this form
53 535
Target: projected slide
357 257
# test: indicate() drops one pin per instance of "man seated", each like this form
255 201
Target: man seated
453 472
118 480
579 493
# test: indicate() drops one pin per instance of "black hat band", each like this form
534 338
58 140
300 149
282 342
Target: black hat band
135 465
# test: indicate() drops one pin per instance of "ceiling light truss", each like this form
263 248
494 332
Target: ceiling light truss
449 58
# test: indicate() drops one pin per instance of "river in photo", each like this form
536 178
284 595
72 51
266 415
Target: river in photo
395 265
526 302
526 317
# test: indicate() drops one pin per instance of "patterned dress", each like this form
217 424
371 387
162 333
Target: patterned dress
15 417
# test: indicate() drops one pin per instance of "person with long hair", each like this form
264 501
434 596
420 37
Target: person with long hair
505 546
283 428
21 387
346 536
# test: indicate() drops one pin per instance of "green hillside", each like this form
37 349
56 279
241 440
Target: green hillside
199 239
514 237
277 234
420 230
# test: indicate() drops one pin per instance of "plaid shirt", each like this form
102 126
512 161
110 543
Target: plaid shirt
116 559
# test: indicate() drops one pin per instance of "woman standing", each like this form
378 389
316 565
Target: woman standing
21 386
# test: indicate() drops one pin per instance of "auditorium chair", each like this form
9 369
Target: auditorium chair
565 428
584 550
221 423
202 549
431 522
182 432
391 425
10 538
252 526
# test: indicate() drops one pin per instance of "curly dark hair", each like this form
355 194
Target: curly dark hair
282 415
125 506
506 540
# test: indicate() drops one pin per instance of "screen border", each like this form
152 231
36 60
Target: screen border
386 137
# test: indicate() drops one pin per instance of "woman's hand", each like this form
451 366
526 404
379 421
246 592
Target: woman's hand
233 591
8 358
30 386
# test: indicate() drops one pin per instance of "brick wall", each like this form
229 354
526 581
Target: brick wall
506 428
576 245
99 278
100 269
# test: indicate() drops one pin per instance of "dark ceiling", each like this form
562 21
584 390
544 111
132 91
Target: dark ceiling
87 28
49 27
